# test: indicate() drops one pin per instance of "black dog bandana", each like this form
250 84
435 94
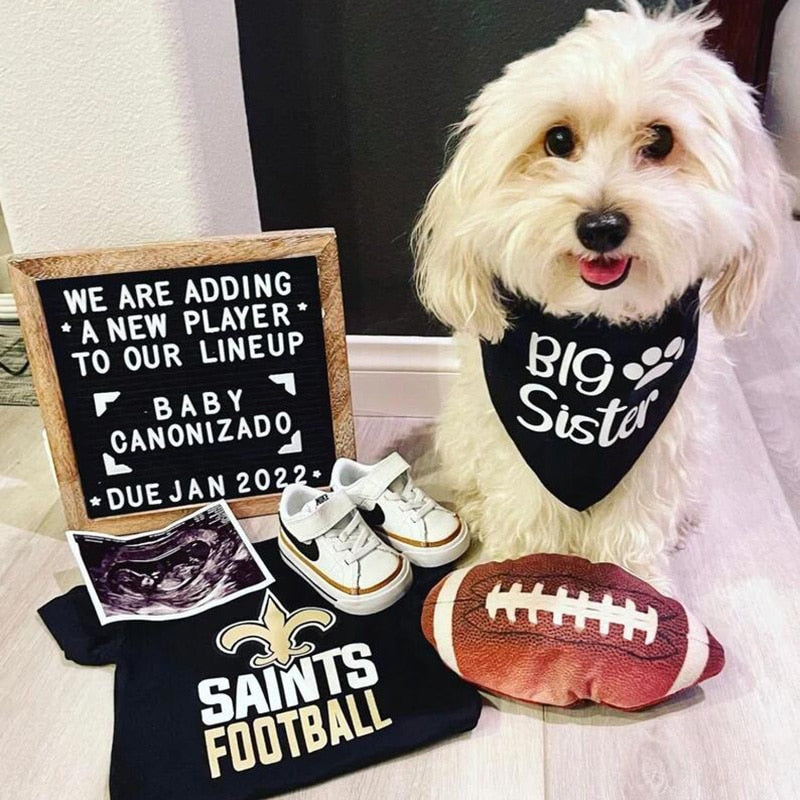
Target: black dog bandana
581 398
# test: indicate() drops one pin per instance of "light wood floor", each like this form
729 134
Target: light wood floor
736 738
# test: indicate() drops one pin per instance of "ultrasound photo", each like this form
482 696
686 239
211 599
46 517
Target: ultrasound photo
198 562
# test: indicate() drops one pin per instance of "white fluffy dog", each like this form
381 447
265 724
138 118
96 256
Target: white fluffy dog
629 122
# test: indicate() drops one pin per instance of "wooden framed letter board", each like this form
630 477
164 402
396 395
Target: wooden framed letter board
172 375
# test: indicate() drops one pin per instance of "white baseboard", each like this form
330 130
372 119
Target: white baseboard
400 376
390 376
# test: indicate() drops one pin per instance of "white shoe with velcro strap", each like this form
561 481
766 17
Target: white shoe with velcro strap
324 538
425 532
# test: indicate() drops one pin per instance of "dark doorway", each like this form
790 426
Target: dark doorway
349 106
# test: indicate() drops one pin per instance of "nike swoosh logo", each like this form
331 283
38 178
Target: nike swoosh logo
374 518
309 549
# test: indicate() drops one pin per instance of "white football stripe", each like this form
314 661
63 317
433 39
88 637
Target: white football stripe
696 655
443 618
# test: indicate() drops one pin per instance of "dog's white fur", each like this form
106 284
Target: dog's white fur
504 211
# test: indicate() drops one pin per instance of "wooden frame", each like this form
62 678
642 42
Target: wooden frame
27 270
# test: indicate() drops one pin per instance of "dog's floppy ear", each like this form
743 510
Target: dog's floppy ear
452 281
764 191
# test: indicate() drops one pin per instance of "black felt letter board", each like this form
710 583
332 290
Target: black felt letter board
183 386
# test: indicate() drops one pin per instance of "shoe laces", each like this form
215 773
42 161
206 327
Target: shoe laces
413 499
355 538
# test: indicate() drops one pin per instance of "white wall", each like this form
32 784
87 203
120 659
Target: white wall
782 105
122 122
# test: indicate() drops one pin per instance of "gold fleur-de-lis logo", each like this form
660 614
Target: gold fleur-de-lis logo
276 630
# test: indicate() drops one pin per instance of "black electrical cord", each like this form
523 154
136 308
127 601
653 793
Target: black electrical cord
14 373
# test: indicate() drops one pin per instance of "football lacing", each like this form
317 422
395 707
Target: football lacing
580 608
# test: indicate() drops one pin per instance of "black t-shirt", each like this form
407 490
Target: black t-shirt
269 692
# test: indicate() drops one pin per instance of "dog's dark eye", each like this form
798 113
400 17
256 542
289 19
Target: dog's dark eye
660 144
559 141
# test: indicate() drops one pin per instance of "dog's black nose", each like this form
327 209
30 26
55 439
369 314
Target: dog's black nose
602 231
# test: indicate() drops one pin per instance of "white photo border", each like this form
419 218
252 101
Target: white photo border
106 619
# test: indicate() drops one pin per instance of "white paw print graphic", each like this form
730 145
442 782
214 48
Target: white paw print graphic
652 357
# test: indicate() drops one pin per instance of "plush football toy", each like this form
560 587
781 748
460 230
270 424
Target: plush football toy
559 629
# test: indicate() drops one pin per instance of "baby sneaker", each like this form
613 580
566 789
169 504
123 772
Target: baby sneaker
426 533
323 538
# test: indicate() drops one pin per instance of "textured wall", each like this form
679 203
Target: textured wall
782 107
121 123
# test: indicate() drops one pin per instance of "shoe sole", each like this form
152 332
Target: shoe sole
431 556
357 605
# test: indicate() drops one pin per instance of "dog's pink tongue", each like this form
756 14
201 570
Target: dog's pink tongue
602 271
